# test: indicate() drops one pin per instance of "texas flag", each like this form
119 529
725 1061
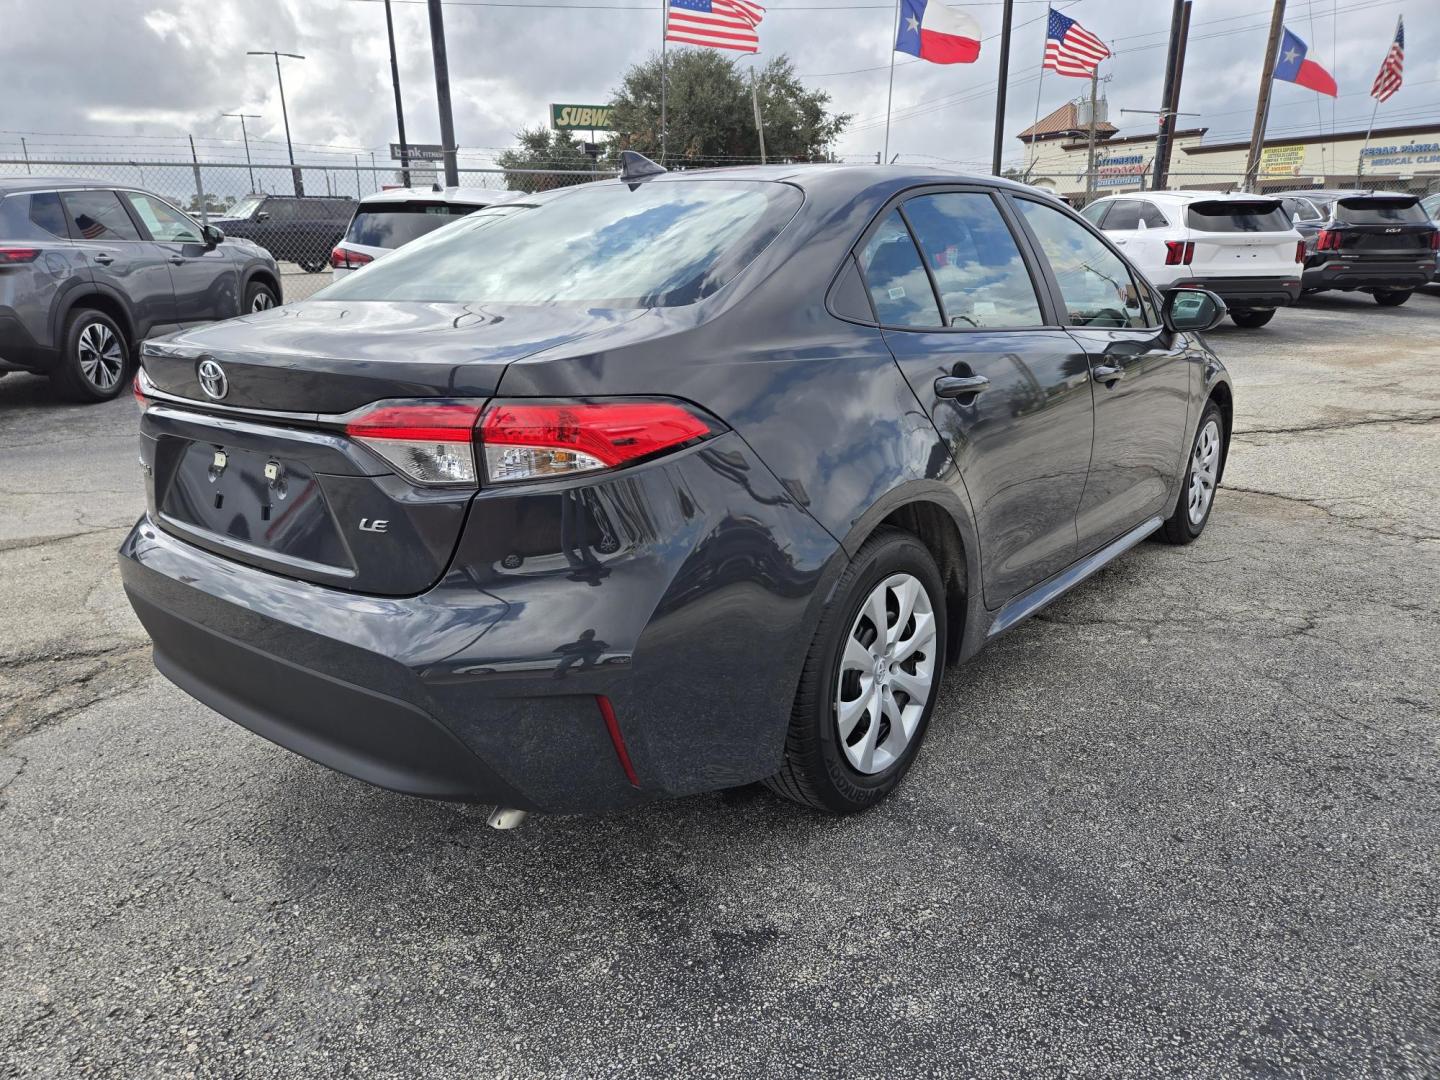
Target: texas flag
1291 66
940 34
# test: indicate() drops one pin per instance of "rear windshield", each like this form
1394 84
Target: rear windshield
1238 217
1369 210
390 226
664 244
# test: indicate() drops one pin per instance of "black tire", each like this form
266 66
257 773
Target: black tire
816 771
87 370
1391 297
1180 528
258 293
1254 319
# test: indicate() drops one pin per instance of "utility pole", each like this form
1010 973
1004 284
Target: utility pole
759 122
295 178
25 152
1005 20
1262 103
1169 95
242 117
399 109
1090 150
442 93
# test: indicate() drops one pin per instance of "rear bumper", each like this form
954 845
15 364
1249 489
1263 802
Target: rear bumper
1369 274
1249 292
690 610
19 349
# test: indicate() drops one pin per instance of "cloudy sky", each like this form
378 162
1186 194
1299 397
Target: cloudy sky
121 78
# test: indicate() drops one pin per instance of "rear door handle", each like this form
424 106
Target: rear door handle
1109 375
104 260
954 386
177 259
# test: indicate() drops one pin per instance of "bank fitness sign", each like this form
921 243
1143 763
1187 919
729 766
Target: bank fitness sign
580 117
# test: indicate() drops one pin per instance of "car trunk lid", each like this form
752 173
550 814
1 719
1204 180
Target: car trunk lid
1251 236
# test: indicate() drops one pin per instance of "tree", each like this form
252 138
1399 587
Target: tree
709 111
541 148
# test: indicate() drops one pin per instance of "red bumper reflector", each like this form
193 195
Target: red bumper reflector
613 727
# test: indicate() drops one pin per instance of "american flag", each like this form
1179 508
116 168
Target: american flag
1070 49
720 24
1392 69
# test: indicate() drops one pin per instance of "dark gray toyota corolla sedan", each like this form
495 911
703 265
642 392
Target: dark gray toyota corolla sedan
645 488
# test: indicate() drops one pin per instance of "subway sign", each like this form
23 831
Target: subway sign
580 117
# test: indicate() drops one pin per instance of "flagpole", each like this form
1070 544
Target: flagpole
1360 161
1039 86
664 33
890 94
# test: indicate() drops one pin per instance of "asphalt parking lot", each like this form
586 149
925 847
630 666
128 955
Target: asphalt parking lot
1185 823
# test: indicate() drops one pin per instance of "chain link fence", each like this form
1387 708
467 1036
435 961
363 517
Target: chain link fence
260 202
1072 186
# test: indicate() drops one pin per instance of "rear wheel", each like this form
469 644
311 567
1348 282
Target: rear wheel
1202 476
94 358
1391 297
1252 318
870 680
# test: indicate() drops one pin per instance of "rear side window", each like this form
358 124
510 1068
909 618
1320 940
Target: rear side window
1094 281
1095 212
38 216
666 243
899 287
1368 210
98 215
974 259
1129 214
1237 217
390 226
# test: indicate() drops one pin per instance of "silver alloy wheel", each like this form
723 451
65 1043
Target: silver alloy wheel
263 301
102 358
887 672
1204 468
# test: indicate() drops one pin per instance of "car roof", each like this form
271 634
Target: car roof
462 195
11 184
1180 195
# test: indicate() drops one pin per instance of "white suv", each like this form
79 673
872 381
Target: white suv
1242 247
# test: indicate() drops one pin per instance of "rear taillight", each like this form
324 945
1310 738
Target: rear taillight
526 440
1300 251
1179 253
139 392
12 256
1435 240
342 258
429 442
1327 240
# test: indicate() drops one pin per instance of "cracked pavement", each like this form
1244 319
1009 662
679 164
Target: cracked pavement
1184 823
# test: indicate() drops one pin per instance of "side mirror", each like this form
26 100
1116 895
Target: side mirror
1192 310
263 215
213 236
1295 218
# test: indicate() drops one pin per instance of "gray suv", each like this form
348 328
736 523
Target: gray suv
89 270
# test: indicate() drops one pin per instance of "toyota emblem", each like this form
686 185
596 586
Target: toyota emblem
212 379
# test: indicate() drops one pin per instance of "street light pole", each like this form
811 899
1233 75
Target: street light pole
245 137
399 108
442 92
295 177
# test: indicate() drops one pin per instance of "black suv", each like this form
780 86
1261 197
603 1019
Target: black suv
89 270
302 229
1378 242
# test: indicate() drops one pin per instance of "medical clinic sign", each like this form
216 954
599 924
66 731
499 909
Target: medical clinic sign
580 117
1119 170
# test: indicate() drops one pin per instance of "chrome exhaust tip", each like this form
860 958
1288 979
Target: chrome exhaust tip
503 817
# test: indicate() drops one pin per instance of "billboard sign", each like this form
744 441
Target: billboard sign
1282 160
419 151
580 117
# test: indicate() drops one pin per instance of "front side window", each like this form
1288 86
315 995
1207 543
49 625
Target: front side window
98 215
164 221
975 261
389 226
1095 212
666 243
1096 284
245 207
1301 208
896 278
1124 215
